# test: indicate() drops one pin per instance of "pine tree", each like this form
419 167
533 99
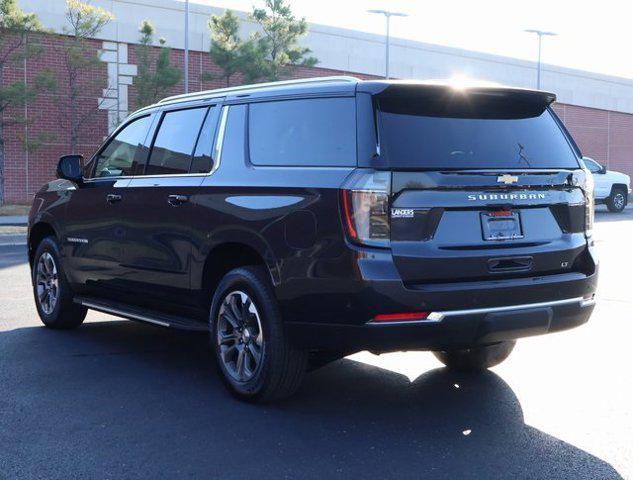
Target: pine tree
227 47
156 76
278 41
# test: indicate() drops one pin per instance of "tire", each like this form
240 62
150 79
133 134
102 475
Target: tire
476 358
245 321
52 293
617 200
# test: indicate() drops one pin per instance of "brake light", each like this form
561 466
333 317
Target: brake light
365 202
584 179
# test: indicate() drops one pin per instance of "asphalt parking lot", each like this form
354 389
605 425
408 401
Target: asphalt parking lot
117 399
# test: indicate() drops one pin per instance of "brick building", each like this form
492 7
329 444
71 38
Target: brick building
597 109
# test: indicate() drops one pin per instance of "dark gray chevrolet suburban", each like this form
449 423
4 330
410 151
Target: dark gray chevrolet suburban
301 221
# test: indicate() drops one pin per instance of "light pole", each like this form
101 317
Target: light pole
186 46
540 34
388 16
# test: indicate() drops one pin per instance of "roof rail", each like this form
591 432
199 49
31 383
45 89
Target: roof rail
258 86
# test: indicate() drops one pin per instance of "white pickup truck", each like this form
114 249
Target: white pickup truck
611 188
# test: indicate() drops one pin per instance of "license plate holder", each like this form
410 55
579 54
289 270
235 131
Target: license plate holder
499 226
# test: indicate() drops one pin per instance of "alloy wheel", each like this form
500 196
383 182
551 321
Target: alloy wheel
47 283
618 201
239 336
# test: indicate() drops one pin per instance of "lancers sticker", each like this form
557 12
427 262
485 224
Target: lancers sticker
402 213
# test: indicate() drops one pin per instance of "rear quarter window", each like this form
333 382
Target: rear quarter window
306 132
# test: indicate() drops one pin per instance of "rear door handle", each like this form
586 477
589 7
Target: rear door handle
175 200
113 197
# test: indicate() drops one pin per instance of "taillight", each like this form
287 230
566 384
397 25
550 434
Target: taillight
584 179
365 202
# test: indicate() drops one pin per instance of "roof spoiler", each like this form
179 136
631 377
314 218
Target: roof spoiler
407 88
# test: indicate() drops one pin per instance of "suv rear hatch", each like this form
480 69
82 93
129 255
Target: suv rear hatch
484 184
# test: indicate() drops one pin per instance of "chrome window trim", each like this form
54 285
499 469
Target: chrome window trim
219 142
217 150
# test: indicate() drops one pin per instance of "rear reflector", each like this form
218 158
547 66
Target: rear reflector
399 317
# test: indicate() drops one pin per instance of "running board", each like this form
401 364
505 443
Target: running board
141 314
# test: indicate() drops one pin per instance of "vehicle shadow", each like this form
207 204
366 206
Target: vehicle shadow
123 400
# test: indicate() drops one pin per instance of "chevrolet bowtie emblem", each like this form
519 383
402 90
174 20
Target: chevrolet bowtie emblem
507 179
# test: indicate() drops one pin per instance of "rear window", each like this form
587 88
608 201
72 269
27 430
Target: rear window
471 131
310 132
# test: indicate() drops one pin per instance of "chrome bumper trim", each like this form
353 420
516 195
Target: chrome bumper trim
436 317
584 302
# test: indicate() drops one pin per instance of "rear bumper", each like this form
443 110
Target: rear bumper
455 329
464 313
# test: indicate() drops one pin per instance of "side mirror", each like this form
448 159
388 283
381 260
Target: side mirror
603 169
70 167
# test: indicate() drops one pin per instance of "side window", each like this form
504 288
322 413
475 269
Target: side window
202 161
592 166
121 155
173 146
309 132
230 143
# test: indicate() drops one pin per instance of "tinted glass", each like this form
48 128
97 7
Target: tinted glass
490 132
592 166
319 132
202 161
122 154
173 147
233 144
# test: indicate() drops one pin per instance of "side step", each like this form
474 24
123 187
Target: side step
141 314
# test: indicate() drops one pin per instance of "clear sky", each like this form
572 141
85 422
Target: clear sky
595 36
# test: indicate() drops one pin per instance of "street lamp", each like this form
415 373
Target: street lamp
186 46
540 34
388 16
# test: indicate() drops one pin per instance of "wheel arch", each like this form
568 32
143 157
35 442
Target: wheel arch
37 233
620 186
226 256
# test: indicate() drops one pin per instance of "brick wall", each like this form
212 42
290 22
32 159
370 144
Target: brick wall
605 136
602 135
47 123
